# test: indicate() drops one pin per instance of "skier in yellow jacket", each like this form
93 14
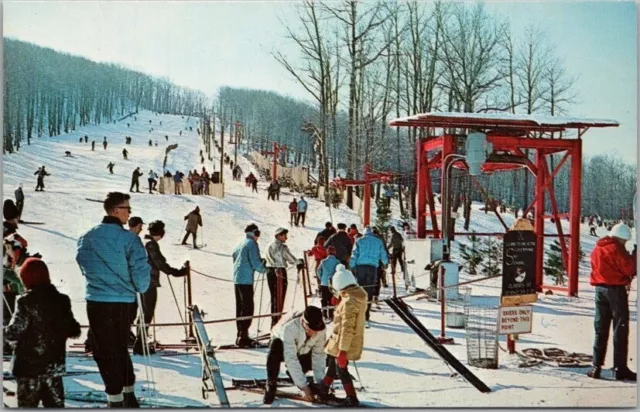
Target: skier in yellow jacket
347 339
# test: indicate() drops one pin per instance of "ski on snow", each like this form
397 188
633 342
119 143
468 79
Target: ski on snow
101 397
210 367
402 310
299 397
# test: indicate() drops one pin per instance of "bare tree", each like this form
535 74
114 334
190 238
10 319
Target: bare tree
470 53
359 28
314 75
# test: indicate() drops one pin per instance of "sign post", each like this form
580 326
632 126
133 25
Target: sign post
518 281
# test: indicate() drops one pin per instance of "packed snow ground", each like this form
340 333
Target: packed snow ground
397 368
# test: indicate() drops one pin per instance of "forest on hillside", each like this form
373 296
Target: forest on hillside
365 63
47 93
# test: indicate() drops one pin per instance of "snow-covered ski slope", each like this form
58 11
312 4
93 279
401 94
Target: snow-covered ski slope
397 368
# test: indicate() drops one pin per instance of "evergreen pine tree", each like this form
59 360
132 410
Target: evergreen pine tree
472 255
553 266
491 266
383 217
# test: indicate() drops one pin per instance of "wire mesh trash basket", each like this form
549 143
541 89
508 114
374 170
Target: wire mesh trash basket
481 323
455 308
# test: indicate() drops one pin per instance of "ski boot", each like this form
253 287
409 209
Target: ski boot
350 402
595 372
130 400
625 374
269 392
324 393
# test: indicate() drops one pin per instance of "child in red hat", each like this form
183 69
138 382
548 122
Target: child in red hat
39 328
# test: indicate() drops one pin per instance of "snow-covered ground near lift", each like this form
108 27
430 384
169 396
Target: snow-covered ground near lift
397 368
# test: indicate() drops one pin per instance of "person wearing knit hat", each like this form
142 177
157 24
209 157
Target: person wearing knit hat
246 261
15 253
298 341
347 338
326 270
612 271
39 328
149 299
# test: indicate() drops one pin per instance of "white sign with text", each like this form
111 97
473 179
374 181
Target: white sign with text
514 319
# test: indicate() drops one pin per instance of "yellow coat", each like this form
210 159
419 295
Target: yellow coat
348 324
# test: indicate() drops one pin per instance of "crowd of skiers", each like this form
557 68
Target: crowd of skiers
299 339
38 319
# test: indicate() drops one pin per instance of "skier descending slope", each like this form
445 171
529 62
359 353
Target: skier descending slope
193 221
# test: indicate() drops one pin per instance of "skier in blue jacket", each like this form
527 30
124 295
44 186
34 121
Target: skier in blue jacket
302 211
326 270
246 261
368 252
114 263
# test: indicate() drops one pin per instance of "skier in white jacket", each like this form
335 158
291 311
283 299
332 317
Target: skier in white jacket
297 340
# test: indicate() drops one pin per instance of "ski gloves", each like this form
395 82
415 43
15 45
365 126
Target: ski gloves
342 360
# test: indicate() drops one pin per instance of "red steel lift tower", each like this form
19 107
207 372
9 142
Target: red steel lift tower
510 135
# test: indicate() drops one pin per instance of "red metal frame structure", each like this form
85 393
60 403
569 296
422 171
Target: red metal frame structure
277 149
369 178
510 135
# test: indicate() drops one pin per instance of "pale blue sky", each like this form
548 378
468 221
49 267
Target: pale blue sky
207 44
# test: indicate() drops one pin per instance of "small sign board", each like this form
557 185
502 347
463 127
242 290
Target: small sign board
519 267
515 319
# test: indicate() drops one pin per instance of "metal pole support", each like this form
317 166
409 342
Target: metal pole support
442 339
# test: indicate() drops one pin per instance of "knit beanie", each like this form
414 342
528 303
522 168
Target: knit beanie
342 278
313 318
9 210
34 272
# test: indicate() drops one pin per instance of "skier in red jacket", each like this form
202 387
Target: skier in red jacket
612 269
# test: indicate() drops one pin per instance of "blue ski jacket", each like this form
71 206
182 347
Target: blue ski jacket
368 250
246 260
114 262
327 269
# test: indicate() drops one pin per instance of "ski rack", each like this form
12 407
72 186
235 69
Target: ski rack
402 310
210 367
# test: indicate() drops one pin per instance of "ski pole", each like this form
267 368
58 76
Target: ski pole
355 365
145 348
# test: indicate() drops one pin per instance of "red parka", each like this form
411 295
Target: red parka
611 263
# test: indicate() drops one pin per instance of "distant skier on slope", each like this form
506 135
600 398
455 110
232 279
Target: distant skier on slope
19 201
194 219
41 172
110 167
104 143
135 176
